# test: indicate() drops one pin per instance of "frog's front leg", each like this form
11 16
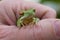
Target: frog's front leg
20 23
35 20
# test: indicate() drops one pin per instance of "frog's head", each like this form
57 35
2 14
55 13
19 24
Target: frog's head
29 12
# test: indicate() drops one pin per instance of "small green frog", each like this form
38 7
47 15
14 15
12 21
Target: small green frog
27 17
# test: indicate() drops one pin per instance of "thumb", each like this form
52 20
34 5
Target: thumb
50 29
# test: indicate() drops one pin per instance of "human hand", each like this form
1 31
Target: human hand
45 29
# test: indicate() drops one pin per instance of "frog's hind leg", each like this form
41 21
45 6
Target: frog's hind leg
21 24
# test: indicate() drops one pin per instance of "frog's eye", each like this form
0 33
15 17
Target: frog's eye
34 10
21 13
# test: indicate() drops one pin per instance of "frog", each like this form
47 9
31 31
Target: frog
27 17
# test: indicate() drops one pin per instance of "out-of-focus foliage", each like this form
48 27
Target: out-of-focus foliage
55 4
57 1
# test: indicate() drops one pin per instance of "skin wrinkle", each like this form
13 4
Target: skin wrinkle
34 34
3 32
50 33
17 12
52 24
14 11
55 30
35 29
44 14
4 15
53 21
9 32
32 30
11 22
50 14
3 36
41 29
8 20
2 19
6 11
18 8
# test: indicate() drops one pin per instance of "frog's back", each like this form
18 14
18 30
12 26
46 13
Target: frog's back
28 20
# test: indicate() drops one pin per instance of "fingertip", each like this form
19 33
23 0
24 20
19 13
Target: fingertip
57 28
51 27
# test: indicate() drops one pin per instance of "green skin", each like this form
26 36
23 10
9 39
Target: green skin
28 13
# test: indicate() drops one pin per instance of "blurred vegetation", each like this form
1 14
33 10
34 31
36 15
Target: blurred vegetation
55 4
57 1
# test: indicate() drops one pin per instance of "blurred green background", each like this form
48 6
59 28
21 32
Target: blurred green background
55 4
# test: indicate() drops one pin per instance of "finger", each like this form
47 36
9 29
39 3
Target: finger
12 8
8 32
41 10
7 15
49 29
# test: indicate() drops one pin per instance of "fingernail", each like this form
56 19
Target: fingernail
57 28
